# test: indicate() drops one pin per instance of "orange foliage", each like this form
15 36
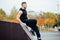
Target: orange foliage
40 22
49 21
14 20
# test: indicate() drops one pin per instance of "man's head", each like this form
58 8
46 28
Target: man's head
24 4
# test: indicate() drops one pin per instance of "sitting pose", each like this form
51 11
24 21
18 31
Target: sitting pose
29 22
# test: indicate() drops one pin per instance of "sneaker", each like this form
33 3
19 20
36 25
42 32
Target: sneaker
39 38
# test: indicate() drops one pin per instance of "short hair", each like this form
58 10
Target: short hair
23 3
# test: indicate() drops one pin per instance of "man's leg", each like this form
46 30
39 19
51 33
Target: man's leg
32 23
35 28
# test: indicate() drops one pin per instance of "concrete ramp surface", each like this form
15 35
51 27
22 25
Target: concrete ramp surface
28 32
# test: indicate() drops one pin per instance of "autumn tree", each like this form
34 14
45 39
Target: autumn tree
58 15
2 14
50 18
13 13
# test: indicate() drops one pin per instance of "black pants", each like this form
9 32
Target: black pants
32 23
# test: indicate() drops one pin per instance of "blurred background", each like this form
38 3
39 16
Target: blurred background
47 13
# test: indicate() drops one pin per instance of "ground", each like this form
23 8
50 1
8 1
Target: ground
50 35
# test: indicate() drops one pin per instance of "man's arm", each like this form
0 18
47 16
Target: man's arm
19 15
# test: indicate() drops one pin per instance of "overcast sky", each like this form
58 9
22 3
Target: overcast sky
35 5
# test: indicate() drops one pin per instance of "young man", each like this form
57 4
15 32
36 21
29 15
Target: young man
29 22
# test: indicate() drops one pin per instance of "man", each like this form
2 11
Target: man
29 22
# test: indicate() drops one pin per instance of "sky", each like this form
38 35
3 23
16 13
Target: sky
34 5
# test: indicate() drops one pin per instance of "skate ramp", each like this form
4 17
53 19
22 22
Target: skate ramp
12 31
